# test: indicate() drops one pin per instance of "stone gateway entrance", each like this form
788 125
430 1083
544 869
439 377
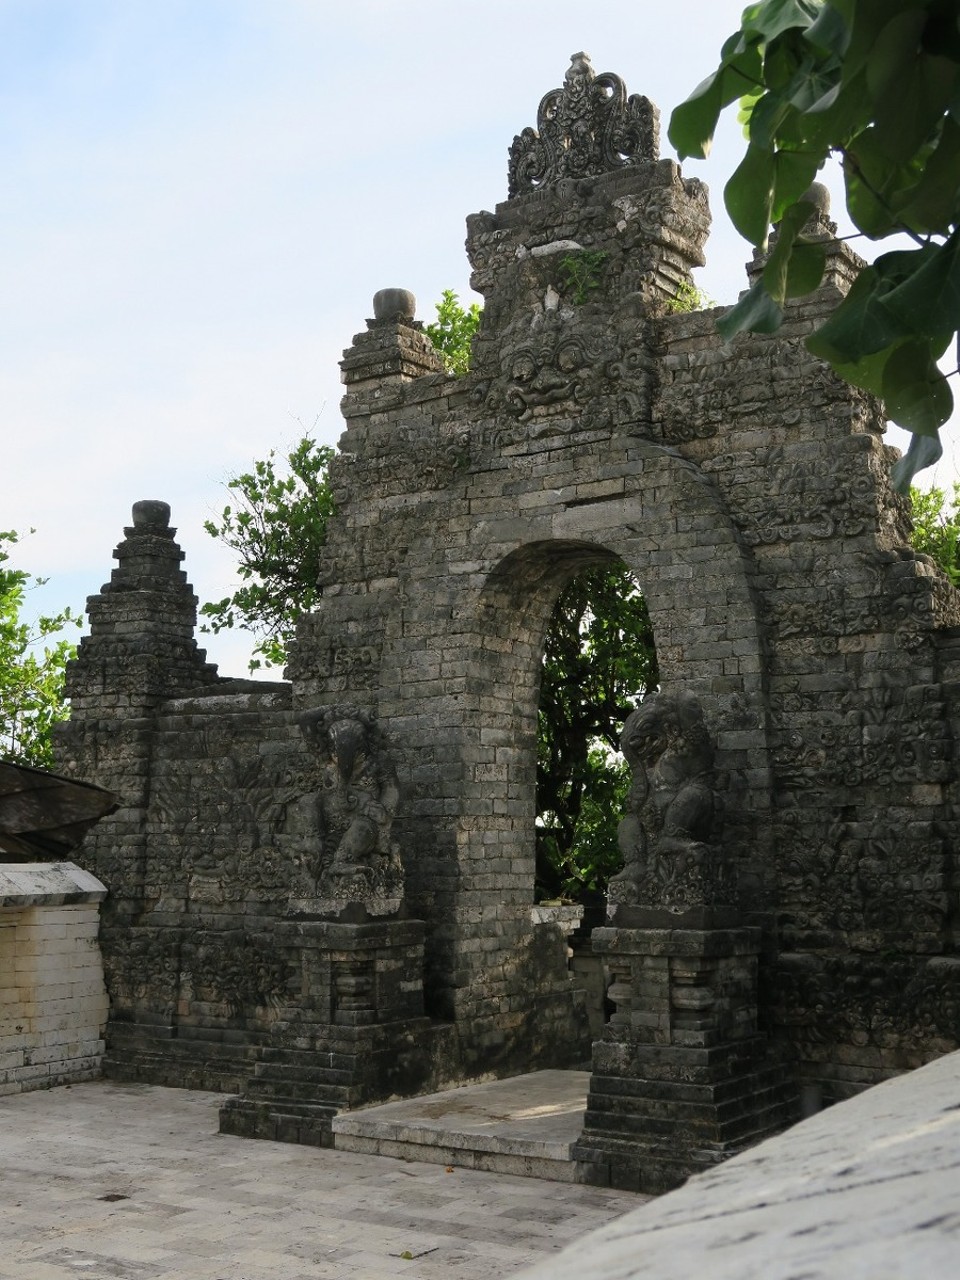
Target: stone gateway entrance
321 891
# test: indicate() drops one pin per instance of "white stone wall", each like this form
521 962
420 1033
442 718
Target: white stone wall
53 1002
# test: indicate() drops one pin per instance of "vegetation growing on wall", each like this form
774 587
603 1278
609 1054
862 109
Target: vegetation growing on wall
453 331
581 273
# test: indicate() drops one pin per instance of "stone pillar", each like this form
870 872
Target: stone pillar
356 1034
681 1076
394 350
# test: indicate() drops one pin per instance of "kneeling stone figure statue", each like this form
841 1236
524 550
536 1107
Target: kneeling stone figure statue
668 834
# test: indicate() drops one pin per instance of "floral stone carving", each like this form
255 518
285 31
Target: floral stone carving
356 800
587 127
672 810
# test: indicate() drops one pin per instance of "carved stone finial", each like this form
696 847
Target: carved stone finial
586 128
151 513
390 303
819 196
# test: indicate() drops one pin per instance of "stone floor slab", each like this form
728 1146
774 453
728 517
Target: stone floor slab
133 1182
526 1125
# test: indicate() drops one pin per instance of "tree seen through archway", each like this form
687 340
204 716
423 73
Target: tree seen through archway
599 660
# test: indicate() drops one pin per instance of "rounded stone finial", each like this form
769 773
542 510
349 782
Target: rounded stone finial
151 513
818 195
390 303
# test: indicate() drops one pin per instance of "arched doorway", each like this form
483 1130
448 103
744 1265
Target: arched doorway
599 661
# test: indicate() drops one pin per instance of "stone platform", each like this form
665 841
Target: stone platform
526 1125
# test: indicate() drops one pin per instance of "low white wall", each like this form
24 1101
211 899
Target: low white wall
53 1002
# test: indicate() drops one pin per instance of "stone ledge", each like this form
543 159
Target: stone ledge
47 884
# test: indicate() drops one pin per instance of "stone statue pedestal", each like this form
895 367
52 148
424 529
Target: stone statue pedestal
681 1077
354 1032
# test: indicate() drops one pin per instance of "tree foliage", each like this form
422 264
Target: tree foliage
936 528
32 667
875 83
277 526
599 659
453 330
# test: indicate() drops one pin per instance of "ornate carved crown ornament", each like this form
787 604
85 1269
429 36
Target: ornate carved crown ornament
586 128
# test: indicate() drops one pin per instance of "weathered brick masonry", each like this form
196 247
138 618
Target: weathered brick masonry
746 489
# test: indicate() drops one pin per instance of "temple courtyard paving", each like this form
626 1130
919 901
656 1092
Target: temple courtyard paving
134 1182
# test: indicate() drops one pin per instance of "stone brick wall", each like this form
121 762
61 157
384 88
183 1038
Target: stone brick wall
744 487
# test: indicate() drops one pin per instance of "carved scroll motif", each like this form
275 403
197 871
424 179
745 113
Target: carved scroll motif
586 128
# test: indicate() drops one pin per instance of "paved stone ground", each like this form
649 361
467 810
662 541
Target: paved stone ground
132 1182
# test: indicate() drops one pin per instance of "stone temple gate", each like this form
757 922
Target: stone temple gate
321 891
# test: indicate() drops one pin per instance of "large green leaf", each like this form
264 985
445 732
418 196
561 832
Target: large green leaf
923 452
771 18
749 194
915 392
830 31
876 188
933 205
908 113
793 173
795 266
894 50
927 302
867 372
867 21
876 314
694 122
764 118
816 85
756 312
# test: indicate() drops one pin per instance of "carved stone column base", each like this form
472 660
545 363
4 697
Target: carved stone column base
355 1034
681 1078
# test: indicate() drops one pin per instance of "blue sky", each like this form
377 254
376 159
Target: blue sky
200 198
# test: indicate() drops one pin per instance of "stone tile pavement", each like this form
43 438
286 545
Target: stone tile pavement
132 1182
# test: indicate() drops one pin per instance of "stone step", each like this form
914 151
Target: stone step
266 1087
526 1125
278 1120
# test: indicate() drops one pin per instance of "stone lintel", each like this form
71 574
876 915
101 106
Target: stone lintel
677 942
338 935
623 916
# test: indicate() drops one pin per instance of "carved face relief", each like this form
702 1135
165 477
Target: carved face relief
555 373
